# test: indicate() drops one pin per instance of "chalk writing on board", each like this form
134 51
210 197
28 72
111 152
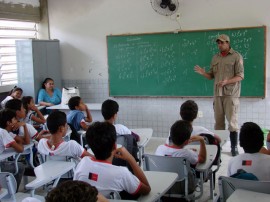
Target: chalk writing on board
162 64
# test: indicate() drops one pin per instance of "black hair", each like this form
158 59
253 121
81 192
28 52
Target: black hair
5 116
251 137
14 90
55 120
46 81
26 101
74 102
180 132
109 108
189 110
73 191
14 105
101 138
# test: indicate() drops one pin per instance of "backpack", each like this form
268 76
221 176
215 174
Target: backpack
242 174
129 142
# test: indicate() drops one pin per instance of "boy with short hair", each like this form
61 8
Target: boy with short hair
76 116
17 106
189 112
109 110
99 171
252 140
8 139
56 146
181 136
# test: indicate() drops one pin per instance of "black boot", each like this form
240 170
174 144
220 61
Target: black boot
234 140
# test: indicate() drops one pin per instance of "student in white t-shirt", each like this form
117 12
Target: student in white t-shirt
11 140
181 136
33 115
15 93
251 139
109 110
17 106
55 145
99 171
189 112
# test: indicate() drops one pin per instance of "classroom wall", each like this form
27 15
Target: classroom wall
82 27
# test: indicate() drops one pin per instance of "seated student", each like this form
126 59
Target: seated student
76 116
56 146
9 140
17 106
189 112
181 136
32 112
109 111
251 139
15 93
99 171
72 191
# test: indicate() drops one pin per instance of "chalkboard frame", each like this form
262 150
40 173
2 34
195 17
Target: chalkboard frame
262 95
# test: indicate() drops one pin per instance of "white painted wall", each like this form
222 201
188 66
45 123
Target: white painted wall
82 27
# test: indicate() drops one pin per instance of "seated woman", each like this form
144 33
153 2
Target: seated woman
48 95
15 93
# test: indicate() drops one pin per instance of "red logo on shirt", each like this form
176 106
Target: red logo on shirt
247 163
93 176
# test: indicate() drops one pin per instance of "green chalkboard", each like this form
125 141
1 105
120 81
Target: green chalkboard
162 64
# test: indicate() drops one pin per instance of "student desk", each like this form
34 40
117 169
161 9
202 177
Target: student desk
223 134
160 183
11 152
145 135
241 195
95 110
211 152
48 171
3 193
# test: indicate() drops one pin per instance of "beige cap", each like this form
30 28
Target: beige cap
223 37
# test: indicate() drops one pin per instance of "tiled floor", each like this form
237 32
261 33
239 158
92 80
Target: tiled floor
155 142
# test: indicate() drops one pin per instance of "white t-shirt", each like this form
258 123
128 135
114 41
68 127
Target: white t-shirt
27 118
196 131
31 130
122 130
105 176
167 150
3 103
6 139
257 164
70 148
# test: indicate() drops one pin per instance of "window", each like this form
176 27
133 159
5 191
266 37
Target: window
9 32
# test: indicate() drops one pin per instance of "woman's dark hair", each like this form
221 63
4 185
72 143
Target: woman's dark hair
14 90
25 101
46 81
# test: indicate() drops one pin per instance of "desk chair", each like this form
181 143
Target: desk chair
177 165
210 140
227 185
8 182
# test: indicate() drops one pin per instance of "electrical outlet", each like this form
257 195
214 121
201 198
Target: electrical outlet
200 114
177 16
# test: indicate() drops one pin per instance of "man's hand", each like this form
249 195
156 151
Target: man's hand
222 83
199 70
